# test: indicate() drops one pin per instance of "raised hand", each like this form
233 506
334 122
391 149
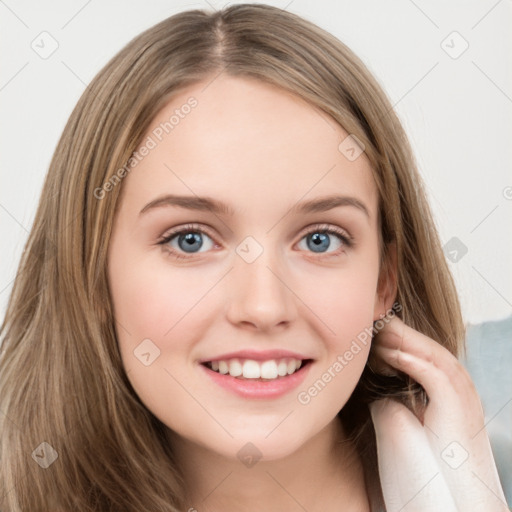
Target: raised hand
444 462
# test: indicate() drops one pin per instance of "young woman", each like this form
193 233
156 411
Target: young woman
233 296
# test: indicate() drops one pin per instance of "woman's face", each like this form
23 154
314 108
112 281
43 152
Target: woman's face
254 283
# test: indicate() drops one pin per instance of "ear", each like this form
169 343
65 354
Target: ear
387 284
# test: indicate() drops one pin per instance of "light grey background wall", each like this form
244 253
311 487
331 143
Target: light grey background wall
445 65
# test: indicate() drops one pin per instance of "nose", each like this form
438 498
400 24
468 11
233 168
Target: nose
260 298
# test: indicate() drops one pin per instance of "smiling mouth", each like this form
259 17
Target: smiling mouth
249 369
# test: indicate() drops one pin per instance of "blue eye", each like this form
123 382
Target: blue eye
184 242
318 240
188 240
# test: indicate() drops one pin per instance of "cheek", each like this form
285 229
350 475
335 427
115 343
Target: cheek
151 299
155 302
344 305
343 299
163 305
334 377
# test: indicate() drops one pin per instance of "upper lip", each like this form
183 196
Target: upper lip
257 355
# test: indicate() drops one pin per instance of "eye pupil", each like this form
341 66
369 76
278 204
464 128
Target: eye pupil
320 240
190 239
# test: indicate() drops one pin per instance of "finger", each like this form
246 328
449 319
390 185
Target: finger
409 472
442 369
451 395
379 366
396 334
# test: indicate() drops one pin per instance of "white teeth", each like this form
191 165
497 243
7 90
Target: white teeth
251 369
269 370
282 368
235 368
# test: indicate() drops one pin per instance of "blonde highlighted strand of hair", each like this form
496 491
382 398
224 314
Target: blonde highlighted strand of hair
61 376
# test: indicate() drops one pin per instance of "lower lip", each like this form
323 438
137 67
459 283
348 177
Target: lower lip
251 388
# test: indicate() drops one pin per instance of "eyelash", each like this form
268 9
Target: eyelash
345 238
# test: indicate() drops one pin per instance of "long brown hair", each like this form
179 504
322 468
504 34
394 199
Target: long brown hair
61 377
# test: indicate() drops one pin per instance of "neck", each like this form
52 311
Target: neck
325 474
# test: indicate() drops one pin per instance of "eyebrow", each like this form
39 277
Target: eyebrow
321 204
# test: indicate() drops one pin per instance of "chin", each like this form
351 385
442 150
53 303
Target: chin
257 444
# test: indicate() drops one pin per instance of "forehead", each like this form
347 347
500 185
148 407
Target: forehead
247 143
